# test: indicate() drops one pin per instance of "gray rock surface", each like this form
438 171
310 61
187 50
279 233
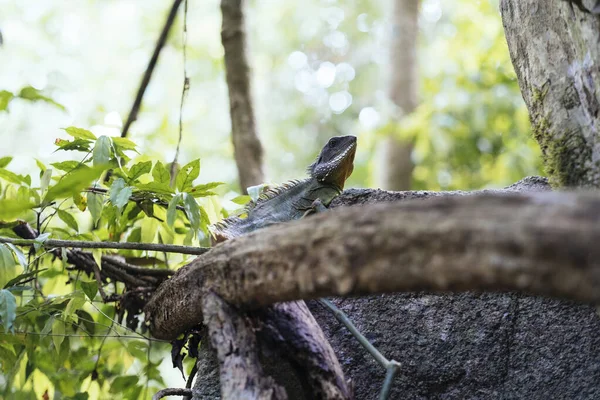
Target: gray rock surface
470 346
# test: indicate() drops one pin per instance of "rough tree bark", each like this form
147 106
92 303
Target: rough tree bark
555 49
248 150
395 171
241 372
538 243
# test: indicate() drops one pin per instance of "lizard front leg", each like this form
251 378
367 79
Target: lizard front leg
317 206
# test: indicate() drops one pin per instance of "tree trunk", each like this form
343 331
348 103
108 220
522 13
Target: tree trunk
246 144
555 49
396 165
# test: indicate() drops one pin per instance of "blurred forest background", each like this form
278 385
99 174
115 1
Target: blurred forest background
319 69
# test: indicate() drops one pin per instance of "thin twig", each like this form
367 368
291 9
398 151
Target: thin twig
391 366
193 373
135 108
163 273
340 316
172 392
169 248
392 369
98 277
186 87
89 336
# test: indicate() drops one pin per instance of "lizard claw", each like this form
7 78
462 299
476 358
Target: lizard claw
316 207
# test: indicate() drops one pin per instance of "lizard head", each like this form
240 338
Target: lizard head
336 161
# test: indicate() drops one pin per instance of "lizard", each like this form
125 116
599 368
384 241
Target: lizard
297 198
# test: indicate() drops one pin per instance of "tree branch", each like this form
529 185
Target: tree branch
540 243
80 244
241 373
291 328
172 392
135 108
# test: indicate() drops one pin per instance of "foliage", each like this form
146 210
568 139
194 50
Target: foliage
54 327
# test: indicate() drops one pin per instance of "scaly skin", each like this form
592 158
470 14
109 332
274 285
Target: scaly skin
294 199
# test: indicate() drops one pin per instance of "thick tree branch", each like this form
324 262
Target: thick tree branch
291 328
80 244
233 338
247 147
541 243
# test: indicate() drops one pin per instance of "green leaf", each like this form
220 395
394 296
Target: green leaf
120 193
121 383
67 166
32 94
241 200
147 207
45 179
87 321
19 254
20 278
68 219
8 310
172 210
80 133
73 183
74 305
138 349
160 173
203 190
4 161
40 165
149 230
97 255
135 236
102 149
124 143
58 332
12 208
77 144
79 201
5 98
38 242
187 174
155 187
95 202
139 169
6 258
192 210
90 289
10 176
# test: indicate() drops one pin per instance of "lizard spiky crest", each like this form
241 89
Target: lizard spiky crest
223 227
272 192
